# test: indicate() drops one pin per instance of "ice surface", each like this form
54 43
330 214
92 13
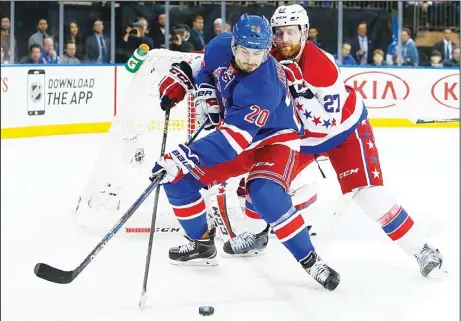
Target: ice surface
41 177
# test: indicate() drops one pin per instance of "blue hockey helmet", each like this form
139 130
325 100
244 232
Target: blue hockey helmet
252 32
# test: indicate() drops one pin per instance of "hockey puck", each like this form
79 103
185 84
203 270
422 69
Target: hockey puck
206 310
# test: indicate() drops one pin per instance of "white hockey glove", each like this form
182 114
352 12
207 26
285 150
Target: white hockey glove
206 106
298 86
176 164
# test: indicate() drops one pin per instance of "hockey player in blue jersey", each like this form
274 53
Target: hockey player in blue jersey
244 92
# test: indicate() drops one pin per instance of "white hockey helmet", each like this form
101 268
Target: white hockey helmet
291 16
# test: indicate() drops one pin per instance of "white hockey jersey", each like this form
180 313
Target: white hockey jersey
333 111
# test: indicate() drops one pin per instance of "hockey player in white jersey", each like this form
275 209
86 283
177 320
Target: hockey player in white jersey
335 123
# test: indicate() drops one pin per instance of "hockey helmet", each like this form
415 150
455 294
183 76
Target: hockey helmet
253 32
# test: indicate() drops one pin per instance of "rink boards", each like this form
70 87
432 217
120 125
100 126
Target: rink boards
55 100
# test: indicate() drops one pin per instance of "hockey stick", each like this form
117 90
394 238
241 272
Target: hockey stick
142 301
52 274
154 215
434 121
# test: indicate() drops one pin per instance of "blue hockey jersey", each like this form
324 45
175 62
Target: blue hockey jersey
257 106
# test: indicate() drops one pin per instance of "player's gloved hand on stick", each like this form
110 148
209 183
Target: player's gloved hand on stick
206 106
298 86
176 164
175 85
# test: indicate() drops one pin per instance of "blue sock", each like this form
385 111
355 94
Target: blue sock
274 205
188 205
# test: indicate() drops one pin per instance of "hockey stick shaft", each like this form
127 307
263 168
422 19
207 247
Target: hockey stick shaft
432 121
154 212
52 274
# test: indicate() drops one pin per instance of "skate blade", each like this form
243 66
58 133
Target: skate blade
251 253
434 270
437 273
196 262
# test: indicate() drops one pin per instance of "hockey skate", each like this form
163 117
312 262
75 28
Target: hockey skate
196 252
320 271
246 244
429 260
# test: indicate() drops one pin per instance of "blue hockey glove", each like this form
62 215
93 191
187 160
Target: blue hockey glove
207 106
176 164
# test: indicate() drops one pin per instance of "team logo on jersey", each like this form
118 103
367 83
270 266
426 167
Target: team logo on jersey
217 73
229 73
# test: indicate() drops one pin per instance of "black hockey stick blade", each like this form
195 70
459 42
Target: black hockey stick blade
49 273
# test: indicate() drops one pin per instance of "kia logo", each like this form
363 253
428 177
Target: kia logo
379 89
445 91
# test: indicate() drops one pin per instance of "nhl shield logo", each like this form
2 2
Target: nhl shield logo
36 91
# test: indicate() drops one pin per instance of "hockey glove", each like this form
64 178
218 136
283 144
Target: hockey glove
298 86
206 106
175 85
176 164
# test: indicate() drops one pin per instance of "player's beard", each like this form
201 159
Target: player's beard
288 50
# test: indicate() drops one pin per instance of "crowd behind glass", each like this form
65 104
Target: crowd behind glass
95 47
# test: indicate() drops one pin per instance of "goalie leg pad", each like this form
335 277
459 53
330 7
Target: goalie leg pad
285 220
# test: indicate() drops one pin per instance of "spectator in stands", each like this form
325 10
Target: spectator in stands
49 55
97 47
142 27
391 52
435 59
179 40
378 58
217 27
37 38
69 54
410 56
346 55
126 46
157 33
362 46
34 56
135 35
75 37
314 38
445 46
5 42
454 62
196 33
